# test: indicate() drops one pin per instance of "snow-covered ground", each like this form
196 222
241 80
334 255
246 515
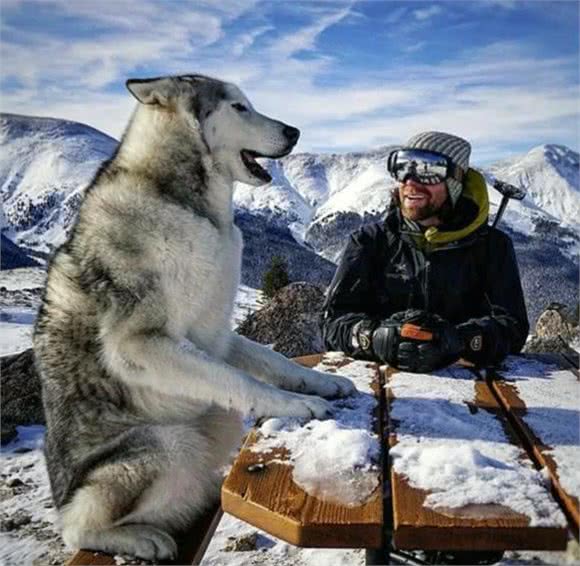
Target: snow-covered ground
28 533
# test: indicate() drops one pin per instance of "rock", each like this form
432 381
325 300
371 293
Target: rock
558 320
556 330
21 393
244 543
289 322
17 520
539 345
14 482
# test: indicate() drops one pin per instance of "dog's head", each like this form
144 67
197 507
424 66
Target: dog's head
233 131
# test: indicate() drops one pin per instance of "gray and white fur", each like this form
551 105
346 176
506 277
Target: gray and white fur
143 381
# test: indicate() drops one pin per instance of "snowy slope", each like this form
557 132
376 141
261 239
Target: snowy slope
314 200
45 164
333 186
550 173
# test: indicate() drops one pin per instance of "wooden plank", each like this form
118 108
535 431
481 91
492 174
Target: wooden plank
192 544
474 527
515 407
308 361
261 491
91 558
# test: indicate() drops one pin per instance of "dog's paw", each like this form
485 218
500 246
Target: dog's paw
150 543
303 406
330 386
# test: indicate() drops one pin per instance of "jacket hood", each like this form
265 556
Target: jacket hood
470 213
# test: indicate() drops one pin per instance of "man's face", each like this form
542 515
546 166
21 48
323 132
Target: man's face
422 203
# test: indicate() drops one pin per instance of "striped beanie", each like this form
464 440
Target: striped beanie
456 148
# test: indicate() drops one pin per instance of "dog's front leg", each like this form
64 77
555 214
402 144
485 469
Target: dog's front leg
157 361
272 367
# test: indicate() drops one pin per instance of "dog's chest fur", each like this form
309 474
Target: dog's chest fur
200 265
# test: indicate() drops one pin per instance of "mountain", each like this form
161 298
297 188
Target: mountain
340 192
306 213
345 192
550 173
13 256
45 165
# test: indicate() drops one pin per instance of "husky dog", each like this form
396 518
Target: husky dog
143 380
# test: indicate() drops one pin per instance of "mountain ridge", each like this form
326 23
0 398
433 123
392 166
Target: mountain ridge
305 214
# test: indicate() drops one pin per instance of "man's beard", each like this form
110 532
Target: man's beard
421 213
444 212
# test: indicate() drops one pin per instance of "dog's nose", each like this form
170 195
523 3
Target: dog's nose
292 134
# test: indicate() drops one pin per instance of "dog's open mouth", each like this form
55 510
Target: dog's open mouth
249 160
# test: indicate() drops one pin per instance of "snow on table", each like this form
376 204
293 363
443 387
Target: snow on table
459 455
552 411
337 459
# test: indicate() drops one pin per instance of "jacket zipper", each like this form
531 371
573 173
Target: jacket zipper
426 283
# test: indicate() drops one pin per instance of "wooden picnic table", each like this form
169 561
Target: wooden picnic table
260 488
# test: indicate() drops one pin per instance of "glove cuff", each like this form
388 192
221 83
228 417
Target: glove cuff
362 337
473 340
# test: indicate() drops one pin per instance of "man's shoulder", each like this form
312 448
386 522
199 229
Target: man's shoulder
371 233
498 237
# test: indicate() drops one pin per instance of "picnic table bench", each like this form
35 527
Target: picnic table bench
508 410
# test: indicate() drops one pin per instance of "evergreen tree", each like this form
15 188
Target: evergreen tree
276 277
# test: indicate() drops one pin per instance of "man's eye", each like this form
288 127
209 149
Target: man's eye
240 107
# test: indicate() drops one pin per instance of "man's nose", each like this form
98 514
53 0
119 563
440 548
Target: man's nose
410 182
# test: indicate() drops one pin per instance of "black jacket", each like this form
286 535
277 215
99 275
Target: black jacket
472 282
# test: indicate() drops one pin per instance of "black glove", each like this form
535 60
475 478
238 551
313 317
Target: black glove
416 355
387 335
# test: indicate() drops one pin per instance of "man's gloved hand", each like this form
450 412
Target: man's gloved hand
432 344
387 336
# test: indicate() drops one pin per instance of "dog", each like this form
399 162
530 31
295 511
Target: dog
143 381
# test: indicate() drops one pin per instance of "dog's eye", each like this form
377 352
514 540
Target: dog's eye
240 107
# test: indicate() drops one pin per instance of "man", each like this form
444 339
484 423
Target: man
433 282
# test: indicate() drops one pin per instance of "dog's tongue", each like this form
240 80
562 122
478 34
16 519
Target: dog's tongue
254 167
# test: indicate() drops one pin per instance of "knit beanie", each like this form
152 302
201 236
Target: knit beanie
454 147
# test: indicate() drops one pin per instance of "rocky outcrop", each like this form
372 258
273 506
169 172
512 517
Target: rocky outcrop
289 322
21 393
556 331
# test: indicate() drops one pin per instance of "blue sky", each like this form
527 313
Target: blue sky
351 75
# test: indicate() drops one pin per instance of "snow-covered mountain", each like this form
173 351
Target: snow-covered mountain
45 164
311 205
550 173
337 193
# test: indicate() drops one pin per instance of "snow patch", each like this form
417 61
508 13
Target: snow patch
334 460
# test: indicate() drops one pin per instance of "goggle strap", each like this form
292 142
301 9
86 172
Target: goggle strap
456 172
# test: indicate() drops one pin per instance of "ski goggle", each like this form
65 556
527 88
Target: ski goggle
425 167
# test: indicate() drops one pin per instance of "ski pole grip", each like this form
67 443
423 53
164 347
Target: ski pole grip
415 332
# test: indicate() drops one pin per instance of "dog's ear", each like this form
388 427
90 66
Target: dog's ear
152 91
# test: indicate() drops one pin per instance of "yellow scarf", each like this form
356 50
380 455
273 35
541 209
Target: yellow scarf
475 189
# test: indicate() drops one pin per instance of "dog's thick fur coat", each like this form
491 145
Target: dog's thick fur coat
143 380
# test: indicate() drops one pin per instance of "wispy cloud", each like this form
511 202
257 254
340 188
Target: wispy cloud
423 14
417 46
305 38
246 40
295 62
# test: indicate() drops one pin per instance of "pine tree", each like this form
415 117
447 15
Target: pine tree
275 278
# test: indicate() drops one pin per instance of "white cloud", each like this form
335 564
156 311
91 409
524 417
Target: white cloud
396 15
506 4
423 14
305 38
246 40
493 95
415 47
